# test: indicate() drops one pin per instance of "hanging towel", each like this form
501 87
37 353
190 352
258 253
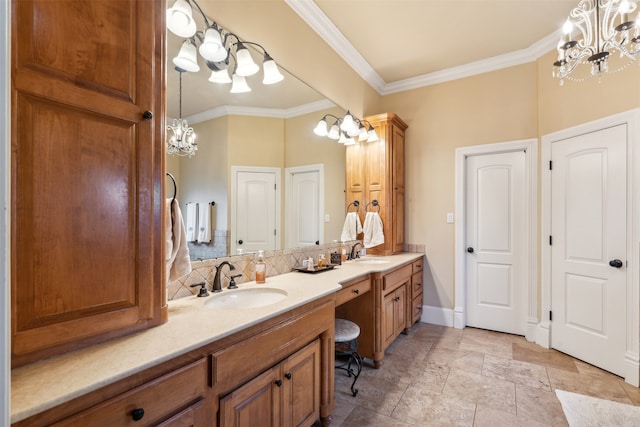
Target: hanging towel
204 223
192 222
352 227
178 262
373 230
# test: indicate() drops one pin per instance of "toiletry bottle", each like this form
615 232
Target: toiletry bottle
321 261
261 268
344 253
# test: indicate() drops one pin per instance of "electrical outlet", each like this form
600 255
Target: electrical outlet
450 218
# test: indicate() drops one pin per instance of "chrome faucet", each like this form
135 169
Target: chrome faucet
355 254
217 286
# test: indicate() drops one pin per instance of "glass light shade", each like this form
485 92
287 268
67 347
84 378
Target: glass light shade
239 84
373 136
271 72
180 19
353 131
349 141
221 76
334 132
187 58
342 139
211 48
347 122
321 128
245 64
362 133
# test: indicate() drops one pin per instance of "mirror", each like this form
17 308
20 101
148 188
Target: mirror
269 128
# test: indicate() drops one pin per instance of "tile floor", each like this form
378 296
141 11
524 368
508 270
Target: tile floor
438 376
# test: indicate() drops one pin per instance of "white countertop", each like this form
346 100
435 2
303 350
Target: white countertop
46 384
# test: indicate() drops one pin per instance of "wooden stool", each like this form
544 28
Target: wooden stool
346 341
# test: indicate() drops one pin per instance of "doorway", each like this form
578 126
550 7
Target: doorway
495 242
590 279
304 206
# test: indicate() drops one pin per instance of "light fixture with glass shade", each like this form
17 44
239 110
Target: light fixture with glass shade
593 32
346 134
181 139
216 47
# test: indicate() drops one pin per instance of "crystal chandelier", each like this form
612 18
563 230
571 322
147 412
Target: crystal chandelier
594 30
346 129
217 48
181 140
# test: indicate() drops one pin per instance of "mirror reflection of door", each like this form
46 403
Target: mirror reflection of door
255 209
304 206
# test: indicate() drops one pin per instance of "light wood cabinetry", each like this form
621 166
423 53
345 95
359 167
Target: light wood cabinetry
278 372
375 171
86 173
396 285
286 395
416 292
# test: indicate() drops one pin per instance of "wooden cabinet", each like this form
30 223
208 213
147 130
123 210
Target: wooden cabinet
394 311
287 394
170 400
375 171
416 292
86 173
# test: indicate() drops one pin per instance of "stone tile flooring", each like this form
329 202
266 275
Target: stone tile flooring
438 376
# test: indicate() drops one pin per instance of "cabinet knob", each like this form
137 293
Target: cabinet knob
397 299
147 115
356 291
278 383
288 375
137 414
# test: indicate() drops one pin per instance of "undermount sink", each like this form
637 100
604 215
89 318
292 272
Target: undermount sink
245 298
372 261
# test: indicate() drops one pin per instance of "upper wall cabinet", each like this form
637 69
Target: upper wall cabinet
86 172
375 171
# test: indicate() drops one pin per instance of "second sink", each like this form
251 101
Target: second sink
372 261
246 298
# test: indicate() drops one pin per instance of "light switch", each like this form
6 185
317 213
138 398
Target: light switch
326 218
450 218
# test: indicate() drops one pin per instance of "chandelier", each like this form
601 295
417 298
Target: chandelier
217 47
346 129
593 32
182 139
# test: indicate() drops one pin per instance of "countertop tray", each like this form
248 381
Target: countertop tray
315 269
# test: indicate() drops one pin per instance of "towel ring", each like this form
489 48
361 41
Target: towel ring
354 203
175 188
374 202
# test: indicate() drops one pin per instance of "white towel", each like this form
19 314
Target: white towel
373 230
192 222
204 223
352 227
178 262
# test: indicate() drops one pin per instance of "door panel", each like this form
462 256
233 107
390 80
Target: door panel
588 225
495 203
304 198
255 212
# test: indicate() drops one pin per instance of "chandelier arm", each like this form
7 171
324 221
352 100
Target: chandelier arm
206 21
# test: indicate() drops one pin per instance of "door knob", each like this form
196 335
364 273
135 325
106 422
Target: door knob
240 242
615 263
470 249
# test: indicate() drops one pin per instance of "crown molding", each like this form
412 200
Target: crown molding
320 23
278 113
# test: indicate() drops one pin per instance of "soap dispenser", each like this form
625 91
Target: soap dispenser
261 268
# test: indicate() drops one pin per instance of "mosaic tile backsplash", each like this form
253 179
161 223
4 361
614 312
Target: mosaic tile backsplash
278 262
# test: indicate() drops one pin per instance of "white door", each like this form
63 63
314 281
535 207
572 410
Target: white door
588 229
304 206
254 210
495 237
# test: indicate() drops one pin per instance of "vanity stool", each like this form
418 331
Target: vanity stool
346 342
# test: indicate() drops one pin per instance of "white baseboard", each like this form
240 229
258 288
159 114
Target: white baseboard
437 316
543 335
632 363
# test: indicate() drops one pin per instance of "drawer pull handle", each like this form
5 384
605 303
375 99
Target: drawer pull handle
396 299
356 291
137 414
278 383
288 375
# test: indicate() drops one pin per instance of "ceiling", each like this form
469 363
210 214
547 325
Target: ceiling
397 45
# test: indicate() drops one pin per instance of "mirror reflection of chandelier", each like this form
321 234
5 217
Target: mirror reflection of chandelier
593 32
181 140
346 129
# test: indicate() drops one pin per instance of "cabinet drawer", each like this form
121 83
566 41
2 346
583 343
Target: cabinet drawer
159 399
396 278
416 308
350 292
416 284
417 266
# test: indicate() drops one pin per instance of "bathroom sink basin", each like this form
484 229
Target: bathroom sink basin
238 299
372 261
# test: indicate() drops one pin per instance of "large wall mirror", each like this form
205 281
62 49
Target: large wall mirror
244 141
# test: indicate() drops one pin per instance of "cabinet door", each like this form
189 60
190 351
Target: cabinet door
86 172
388 319
397 188
401 308
301 390
257 403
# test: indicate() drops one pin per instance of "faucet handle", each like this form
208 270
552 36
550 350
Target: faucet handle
232 282
203 290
